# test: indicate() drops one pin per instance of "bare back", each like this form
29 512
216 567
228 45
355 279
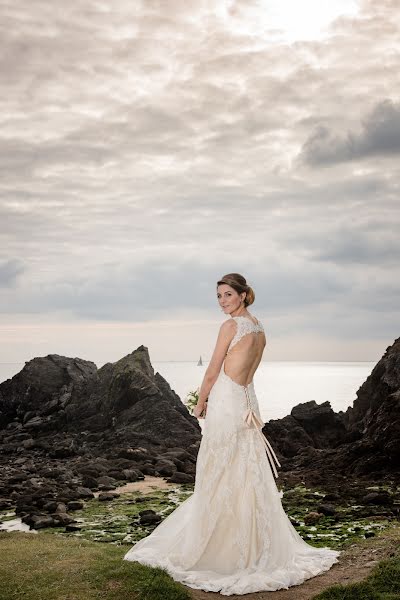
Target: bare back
245 351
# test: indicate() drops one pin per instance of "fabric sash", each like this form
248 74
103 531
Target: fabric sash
253 421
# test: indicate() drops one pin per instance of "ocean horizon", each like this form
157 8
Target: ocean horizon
279 385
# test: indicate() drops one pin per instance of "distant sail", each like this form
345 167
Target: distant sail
200 363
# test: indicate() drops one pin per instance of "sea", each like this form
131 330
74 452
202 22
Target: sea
279 385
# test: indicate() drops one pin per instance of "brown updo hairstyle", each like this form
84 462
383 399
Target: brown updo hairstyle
238 283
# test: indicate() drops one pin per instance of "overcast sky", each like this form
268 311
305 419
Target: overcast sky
148 148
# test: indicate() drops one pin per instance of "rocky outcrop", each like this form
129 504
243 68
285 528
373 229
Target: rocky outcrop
123 400
321 445
308 425
68 428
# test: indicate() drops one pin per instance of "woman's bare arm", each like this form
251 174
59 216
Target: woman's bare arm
225 336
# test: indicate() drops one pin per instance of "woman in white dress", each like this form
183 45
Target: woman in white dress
232 535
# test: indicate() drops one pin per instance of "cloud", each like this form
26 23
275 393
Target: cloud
352 247
9 272
379 136
148 148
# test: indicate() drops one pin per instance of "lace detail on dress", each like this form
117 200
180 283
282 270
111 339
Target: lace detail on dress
244 326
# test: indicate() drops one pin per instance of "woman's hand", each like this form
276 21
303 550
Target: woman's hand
200 411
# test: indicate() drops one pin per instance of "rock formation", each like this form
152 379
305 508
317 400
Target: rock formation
363 442
68 428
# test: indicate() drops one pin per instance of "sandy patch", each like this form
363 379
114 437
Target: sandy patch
147 485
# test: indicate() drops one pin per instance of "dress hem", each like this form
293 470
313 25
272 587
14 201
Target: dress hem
245 581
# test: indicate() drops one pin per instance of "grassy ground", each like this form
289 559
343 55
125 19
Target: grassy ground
50 567
45 566
383 583
57 565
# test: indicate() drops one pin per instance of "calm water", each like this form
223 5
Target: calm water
279 385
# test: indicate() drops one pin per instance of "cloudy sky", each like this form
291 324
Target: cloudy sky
148 148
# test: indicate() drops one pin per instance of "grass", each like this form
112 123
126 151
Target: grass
45 566
383 583
51 567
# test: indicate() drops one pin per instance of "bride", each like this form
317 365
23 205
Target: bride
232 535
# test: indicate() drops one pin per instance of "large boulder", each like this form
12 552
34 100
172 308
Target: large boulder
38 395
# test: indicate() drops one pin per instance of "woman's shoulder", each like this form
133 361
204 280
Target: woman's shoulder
253 320
229 325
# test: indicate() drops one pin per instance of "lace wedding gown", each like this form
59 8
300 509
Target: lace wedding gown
232 535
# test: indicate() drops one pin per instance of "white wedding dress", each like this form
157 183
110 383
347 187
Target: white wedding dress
232 535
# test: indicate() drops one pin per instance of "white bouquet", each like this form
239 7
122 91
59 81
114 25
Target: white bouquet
191 400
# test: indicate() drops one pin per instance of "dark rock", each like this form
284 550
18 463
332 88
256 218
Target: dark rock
178 477
132 475
82 492
29 443
325 428
165 467
331 497
75 505
149 517
62 451
327 509
90 482
147 511
50 507
17 477
61 519
288 435
40 521
93 469
312 517
148 470
117 475
189 467
107 496
107 483
6 503
35 423
139 454
381 498
24 504
50 472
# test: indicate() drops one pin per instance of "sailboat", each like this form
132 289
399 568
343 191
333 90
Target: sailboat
200 363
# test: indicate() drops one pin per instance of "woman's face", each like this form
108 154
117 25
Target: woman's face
228 298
